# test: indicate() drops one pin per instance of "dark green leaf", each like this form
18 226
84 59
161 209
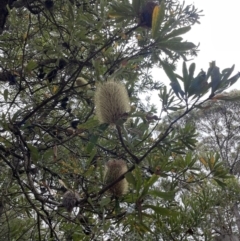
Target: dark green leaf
104 201
164 195
215 78
177 45
220 183
91 123
227 73
148 184
5 94
160 210
177 32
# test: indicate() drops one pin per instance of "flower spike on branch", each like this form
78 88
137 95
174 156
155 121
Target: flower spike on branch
112 103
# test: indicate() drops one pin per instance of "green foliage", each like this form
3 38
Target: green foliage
51 140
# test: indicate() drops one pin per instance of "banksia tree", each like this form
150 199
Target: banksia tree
48 122
70 200
113 170
112 102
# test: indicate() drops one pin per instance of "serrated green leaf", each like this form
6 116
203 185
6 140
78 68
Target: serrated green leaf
162 12
227 73
166 28
185 71
160 210
168 70
163 195
143 228
89 171
227 83
136 6
92 142
174 82
91 123
215 78
34 152
16 115
90 201
70 12
93 151
102 8
123 10
31 65
104 201
177 89
198 85
177 46
233 80
5 94
186 79
131 179
177 32
148 184
220 183
191 72
103 127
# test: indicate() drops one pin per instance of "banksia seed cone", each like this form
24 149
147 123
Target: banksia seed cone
146 14
113 170
70 200
112 102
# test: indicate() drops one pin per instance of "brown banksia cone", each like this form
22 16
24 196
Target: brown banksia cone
112 102
70 200
113 170
81 82
146 14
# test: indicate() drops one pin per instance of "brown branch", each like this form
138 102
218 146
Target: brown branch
135 158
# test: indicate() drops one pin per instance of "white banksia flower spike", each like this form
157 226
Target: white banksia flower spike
113 170
81 82
112 102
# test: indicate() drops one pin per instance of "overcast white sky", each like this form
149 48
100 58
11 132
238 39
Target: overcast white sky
218 35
